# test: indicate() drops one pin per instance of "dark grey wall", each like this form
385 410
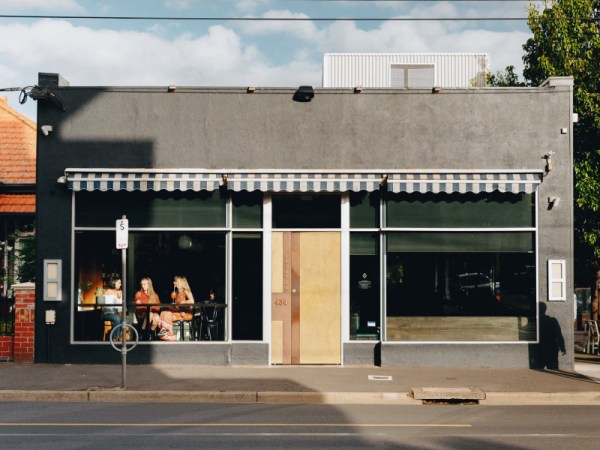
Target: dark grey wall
487 128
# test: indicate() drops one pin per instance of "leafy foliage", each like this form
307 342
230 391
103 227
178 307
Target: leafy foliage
506 79
566 42
26 259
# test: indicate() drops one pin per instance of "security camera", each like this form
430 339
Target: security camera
47 129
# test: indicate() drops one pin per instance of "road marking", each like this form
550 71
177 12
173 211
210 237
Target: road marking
258 425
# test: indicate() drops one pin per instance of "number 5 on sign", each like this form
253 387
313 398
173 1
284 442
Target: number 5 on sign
122 233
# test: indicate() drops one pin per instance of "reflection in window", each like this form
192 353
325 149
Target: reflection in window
364 209
247 209
462 296
469 210
151 209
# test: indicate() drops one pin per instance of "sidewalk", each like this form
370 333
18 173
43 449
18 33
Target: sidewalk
299 384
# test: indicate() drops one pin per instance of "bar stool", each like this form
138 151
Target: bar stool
592 338
184 328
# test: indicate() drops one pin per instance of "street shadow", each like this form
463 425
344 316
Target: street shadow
544 355
571 375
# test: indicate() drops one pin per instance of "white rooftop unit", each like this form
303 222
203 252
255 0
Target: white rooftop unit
405 70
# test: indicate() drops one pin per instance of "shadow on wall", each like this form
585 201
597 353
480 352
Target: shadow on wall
545 354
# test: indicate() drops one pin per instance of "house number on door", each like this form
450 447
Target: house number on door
280 302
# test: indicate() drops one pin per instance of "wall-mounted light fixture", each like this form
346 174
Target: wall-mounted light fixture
384 179
47 129
548 158
223 181
250 89
43 93
62 180
436 90
304 94
172 88
358 89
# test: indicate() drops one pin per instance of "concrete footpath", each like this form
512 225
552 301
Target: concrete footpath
300 384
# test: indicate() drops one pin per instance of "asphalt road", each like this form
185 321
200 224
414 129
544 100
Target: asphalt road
275 426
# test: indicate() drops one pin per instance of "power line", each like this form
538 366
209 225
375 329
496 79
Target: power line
299 19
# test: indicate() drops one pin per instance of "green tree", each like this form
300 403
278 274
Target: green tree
25 257
566 42
508 78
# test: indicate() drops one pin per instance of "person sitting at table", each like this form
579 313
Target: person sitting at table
113 313
147 296
181 294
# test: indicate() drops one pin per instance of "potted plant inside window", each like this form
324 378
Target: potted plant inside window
99 296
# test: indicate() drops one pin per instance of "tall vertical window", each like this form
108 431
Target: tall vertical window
365 290
247 282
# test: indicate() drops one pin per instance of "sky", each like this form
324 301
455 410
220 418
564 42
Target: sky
108 52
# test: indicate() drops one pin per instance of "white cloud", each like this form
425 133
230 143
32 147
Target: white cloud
178 4
249 6
43 5
232 54
85 56
301 29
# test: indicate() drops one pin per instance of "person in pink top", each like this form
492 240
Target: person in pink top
181 294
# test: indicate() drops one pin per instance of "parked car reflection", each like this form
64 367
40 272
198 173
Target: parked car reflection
472 293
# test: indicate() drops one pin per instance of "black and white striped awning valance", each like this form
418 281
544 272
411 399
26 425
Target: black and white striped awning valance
146 180
476 182
99 180
304 182
296 181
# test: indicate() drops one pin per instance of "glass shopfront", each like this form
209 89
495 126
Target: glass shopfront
460 267
421 266
170 234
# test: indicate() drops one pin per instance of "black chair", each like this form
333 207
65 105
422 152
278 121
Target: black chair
209 324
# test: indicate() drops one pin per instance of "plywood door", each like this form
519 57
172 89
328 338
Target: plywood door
306 292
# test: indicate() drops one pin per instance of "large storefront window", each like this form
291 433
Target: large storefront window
171 234
159 256
462 285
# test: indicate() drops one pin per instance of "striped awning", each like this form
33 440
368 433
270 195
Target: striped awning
476 182
142 181
300 181
304 182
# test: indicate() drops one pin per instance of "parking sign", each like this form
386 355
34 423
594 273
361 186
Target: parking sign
122 233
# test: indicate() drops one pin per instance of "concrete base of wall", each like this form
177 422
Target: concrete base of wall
199 353
366 353
456 355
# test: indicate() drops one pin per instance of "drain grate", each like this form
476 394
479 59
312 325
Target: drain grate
448 396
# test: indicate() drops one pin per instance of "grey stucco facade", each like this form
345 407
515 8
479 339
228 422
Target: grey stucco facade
376 129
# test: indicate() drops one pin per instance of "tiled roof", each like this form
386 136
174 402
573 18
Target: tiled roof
17 146
17 203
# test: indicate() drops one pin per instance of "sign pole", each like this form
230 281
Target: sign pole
122 243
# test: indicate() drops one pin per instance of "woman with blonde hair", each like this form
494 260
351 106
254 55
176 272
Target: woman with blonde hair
147 296
181 294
